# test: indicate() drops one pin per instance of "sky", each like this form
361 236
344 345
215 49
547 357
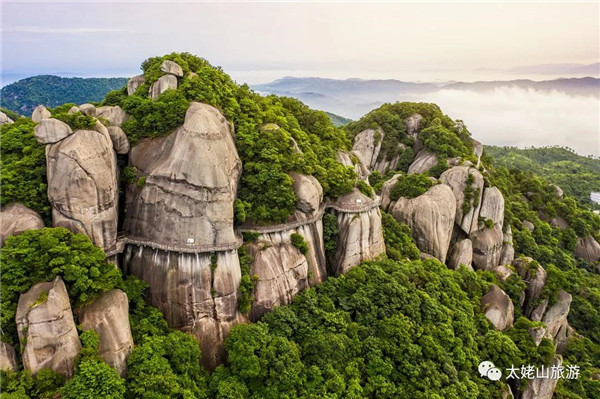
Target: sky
260 42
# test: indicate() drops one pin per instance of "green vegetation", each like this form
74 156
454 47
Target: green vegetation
447 141
299 242
265 194
76 120
247 282
11 114
577 175
24 95
330 234
365 188
338 120
23 168
399 244
411 186
41 255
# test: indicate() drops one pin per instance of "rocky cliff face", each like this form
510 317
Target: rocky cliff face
467 185
17 218
46 327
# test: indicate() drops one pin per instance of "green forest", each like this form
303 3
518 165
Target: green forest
395 327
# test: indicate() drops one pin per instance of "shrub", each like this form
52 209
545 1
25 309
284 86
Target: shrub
410 186
299 242
364 188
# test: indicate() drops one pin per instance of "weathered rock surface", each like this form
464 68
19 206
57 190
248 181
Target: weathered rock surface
423 162
456 178
555 317
537 334
535 277
171 68
45 323
8 359
386 190
134 83
17 218
51 130
361 170
119 139
186 202
308 191
109 317
508 250
114 114
413 124
88 109
282 270
559 222
542 388
40 112
4 119
492 206
73 110
163 83
360 232
367 145
431 218
477 149
197 293
503 272
461 254
498 308
82 186
588 249
487 247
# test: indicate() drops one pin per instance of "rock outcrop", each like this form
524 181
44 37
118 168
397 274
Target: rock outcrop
386 190
508 249
109 317
360 232
308 191
163 83
8 359
134 83
119 139
413 124
457 178
4 119
180 227
17 218
535 277
461 254
431 219
190 182
88 109
345 159
498 308
492 206
559 222
542 388
197 292
555 318
113 114
588 249
82 186
50 130
45 324
528 225
423 162
367 145
172 68
40 112
487 247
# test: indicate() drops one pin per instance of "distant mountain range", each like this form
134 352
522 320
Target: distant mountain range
354 97
24 95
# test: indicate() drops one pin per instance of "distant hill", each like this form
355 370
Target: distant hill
338 120
24 95
575 174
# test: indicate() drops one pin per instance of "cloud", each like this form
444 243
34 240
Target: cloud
46 29
518 117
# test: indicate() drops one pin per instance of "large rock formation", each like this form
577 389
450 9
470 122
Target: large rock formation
8 359
535 277
492 206
498 308
180 220
119 139
308 191
51 130
360 232
109 317
114 114
82 186
431 219
190 181
40 112
487 247
88 109
134 83
17 218
172 68
555 319
163 83
386 190
461 254
45 325
197 292
457 178
508 249
367 145
542 388
423 162
4 119
346 159
588 249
